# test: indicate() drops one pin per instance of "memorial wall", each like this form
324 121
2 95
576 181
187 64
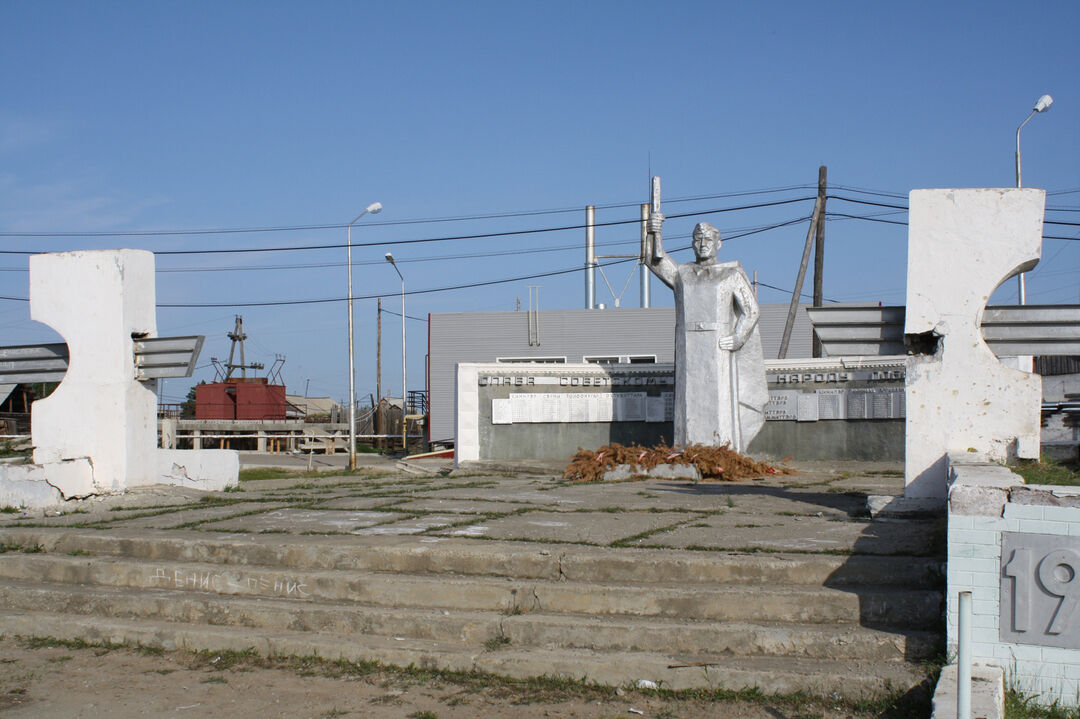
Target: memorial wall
818 409
832 409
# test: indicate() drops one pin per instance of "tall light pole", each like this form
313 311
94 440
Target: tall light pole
374 208
404 386
1041 105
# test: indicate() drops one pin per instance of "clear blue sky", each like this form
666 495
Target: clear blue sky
129 116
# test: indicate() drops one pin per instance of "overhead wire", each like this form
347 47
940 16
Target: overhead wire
448 238
447 288
391 223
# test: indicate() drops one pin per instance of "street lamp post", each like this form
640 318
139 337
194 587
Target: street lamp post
1041 105
404 385
374 208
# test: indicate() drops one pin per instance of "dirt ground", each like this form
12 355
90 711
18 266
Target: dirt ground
45 679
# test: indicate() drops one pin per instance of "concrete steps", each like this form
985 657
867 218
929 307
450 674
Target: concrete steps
781 622
540 629
859 678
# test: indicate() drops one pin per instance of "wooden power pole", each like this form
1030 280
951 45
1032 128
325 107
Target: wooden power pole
816 222
376 418
819 250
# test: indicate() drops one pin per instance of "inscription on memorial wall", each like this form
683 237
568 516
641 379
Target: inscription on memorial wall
891 375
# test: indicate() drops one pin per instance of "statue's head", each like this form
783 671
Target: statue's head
706 242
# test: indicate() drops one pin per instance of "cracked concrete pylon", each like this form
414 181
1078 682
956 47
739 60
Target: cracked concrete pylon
962 244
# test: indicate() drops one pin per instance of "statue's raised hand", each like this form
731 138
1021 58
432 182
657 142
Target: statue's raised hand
727 342
655 223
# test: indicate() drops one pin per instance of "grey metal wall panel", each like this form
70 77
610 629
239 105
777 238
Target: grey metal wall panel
573 334
771 324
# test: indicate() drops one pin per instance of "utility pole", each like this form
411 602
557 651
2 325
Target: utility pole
819 250
378 351
376 423
816 219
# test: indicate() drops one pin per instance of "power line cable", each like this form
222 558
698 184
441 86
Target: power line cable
398 314
790 292
479 236
392 223
471 285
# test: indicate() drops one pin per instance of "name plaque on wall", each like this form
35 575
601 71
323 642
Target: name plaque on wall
828 404
1040 589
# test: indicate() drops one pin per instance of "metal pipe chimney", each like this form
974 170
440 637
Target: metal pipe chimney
643 262
590 257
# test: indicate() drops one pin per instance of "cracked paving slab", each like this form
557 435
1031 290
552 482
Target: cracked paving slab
602 528
297 521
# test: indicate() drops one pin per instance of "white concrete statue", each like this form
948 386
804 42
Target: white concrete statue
720 389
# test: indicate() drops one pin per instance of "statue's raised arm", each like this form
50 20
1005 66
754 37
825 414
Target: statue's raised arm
659 261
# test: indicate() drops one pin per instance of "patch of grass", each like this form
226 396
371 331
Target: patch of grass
60 660
1024 706
254 474
885 473
8 509
75 644
847 492
1048 472
425 714
10 449
79 553
498 641
216 679
226 659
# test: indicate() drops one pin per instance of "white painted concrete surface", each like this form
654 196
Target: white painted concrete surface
208 469
97 432
96 300
963 244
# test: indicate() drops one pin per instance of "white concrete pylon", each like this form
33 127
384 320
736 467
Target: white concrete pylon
962 244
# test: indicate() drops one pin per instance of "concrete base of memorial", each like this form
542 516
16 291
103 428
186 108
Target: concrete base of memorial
1015 548
36 486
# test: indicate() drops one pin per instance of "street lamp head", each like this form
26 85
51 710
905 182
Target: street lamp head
1043 103
390 258
376 207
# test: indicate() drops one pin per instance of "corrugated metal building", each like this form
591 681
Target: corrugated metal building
240 399
619 335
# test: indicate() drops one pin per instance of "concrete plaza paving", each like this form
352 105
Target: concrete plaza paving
822 508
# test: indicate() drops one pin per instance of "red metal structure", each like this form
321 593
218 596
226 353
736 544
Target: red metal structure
240 398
